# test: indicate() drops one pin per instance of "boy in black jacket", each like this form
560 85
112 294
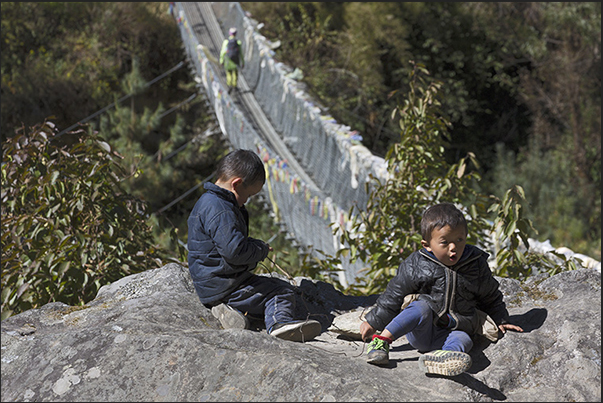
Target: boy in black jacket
451 287
222 256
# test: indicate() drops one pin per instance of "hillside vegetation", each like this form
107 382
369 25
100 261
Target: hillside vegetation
520 87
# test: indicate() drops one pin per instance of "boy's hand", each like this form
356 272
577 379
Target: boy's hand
366 331
269 247
508 326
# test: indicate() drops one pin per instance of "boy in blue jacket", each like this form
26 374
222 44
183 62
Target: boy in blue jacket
221 255
453 293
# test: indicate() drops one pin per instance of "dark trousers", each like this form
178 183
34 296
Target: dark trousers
269 298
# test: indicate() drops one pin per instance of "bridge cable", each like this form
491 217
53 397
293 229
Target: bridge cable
170 71
161 210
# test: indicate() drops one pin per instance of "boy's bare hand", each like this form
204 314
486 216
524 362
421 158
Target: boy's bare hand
508 326
366 331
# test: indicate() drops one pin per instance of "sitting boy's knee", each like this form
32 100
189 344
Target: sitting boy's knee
420 305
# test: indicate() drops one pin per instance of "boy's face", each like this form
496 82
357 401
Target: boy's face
447 244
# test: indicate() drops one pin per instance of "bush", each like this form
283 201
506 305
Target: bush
67 227
388 230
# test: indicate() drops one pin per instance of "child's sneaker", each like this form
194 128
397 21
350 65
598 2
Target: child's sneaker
299 330
447 363
377 352
229 317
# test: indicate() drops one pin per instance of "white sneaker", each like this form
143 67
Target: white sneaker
299 330
444 362
229 317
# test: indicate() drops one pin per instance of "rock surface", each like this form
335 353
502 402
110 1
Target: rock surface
147 337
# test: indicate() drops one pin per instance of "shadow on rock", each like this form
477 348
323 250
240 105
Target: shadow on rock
479 359
478 386
403 347
531 320
528 321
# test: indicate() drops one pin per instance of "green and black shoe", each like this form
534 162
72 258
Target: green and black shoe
378 352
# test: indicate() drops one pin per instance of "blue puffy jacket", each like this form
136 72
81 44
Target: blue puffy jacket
221 255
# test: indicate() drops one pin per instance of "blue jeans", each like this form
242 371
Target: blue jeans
416 322
269 298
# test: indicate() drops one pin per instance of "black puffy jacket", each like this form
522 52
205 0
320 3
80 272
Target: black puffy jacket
458 290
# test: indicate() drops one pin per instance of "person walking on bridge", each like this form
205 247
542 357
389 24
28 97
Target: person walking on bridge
231 57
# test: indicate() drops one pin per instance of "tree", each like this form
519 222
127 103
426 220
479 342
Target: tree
64 60
67 226
524 75
556 50
388 230
158 155
130 131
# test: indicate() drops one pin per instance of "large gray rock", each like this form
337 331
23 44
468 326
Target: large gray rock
147 337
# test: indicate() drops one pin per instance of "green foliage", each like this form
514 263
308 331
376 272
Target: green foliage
479 88
509 229
347 68
510 232
67 227
154 159
559 46
561 204
388 229
68 60
64 60
512 73
128 130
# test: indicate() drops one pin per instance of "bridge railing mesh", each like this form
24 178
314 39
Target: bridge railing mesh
329 153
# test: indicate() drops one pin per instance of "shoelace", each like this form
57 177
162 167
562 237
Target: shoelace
377 344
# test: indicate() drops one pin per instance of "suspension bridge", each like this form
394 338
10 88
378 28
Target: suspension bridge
316 167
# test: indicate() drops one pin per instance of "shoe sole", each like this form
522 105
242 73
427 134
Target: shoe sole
300 332
449 363
378 360
229 318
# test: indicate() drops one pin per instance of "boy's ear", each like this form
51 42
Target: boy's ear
425 244
236 182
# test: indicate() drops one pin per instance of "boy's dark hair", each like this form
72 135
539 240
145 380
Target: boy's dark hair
244 164
440 215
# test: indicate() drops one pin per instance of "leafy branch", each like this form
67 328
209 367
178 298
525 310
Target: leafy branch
387 230
67 226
